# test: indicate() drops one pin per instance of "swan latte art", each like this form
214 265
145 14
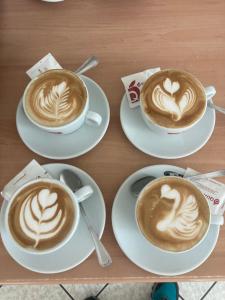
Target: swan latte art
41 216
173 214
55 98
173 99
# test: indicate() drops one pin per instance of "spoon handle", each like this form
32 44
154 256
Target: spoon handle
207 175
217 108
90 63
104 258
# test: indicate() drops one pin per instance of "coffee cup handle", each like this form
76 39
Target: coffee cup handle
93 118
217 220
83 193
210 92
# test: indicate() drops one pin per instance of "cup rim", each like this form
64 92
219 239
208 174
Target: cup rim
55 128
179 129
70 233
140 231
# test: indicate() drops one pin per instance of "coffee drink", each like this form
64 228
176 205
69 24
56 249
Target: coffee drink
173 214
173 99
55 98
41 215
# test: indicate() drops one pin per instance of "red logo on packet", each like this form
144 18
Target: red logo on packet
134 91
213 200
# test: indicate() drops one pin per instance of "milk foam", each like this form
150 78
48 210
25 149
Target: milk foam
173 98
55 104
55 98
167 102
40 217
173 214
181 222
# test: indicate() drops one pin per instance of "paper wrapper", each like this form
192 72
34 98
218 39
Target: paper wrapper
48 62
32 171
133 84
213 190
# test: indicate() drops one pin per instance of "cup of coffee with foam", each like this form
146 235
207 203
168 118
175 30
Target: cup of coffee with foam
58 101
173 214
43 215
172 101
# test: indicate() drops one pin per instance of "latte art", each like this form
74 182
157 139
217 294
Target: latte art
55 105
41 216
181 222
55 98
173 98
173 214
167 102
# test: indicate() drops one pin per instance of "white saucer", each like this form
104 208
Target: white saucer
78 248
138 249
169 146
71 145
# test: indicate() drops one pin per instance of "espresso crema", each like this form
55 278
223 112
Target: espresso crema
173 98
173 214
55 98
41 216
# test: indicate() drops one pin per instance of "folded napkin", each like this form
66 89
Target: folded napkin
32 171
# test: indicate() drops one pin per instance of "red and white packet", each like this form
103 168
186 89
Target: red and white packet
133 84
213 190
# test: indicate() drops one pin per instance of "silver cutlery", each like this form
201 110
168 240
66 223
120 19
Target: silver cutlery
90 63
75 183
217 108
212 174
139 184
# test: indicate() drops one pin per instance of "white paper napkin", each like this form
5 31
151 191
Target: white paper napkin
32 171
48 62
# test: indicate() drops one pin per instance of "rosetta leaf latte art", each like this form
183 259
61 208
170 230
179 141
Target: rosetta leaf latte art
54 104
167 102
40 217
181 222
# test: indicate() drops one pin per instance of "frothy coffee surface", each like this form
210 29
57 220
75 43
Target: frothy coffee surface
173 99
173 214
41 216
55 98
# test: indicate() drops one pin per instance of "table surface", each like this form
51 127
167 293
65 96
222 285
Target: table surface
127 37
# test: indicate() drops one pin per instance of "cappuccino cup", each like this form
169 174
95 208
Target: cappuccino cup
173 215
57 101
173 101
43 215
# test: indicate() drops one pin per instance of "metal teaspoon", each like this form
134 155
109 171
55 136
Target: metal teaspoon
74 183
90 63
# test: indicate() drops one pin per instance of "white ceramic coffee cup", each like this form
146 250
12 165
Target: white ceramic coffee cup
86 116
79 196
213 219
209 93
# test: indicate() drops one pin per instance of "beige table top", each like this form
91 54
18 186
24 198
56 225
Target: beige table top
127 37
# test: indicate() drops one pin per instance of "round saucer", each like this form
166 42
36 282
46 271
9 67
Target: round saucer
138 249
58 146
168 146
78 248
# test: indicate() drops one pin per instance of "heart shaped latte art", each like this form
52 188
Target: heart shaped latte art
171 87
167 103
